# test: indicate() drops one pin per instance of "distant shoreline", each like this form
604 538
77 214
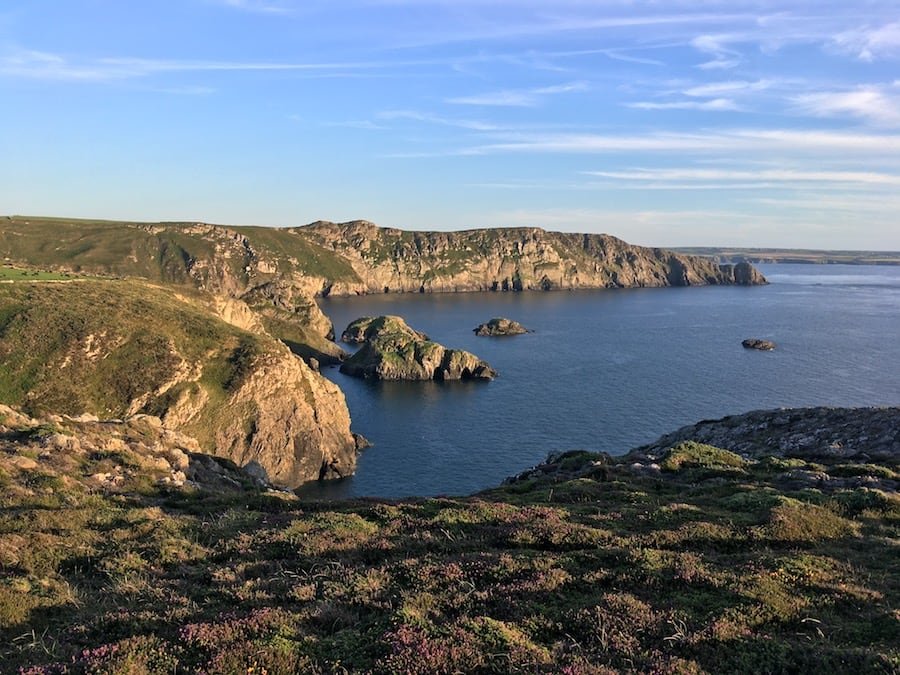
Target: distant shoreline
792 256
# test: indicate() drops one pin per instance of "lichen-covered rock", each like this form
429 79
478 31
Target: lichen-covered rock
807 433
393 351
758 344
500 326
369 328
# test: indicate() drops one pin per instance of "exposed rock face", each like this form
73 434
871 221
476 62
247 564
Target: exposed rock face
114 455
499 326
806 433
390 260
756 343
394 351
285 419
241 395
369 328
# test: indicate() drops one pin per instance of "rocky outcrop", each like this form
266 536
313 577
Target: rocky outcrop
515 259
243 396
805 433
758 344
499 327
370 328
284 419
116 455
393 351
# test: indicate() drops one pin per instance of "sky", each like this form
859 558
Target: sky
664 122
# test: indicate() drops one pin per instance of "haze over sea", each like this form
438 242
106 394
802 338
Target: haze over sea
611 370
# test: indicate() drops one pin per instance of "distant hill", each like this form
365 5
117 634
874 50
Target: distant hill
788 255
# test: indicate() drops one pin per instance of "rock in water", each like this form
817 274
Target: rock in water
393 351
756 343
368 328
499 326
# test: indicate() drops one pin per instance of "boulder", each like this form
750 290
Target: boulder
393 351
756 343
500 326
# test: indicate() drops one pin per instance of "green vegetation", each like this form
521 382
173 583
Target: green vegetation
101 345
181 253
591 567
699 455
20 274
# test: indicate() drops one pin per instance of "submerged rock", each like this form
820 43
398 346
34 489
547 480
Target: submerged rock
500 326
393 351
756 343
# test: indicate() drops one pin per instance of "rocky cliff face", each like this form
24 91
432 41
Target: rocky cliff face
389 260
243 396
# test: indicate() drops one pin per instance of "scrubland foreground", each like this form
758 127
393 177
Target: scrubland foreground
124 551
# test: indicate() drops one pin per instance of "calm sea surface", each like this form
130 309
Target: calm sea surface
610 370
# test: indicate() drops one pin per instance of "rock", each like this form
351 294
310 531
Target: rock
802 433
23 463
368 328
499 326
394 351
756 343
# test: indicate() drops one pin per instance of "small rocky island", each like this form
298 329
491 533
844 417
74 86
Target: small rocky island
392 350
758 344
499 326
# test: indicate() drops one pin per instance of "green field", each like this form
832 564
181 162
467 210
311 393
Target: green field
18 274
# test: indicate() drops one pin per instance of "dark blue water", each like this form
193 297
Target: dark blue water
610 370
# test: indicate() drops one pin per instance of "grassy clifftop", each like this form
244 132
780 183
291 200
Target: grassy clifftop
711 562
189 253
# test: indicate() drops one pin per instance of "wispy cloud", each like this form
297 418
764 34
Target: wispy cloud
41 65
771 175
518 97
813 142
731 88
258 6
416 116
723 56
716 104
877 104
870 43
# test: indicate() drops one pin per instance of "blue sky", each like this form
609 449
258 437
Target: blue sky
662 122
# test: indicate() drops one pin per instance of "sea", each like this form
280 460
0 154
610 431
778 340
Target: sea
610 370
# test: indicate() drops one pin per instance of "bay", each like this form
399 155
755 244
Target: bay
608 370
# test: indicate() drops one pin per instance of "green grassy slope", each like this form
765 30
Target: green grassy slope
97 345
170 252
712 565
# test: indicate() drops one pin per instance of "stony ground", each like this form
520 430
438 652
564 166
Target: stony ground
694 560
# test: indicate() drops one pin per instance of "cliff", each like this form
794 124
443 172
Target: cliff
116 348
390 260
274 269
